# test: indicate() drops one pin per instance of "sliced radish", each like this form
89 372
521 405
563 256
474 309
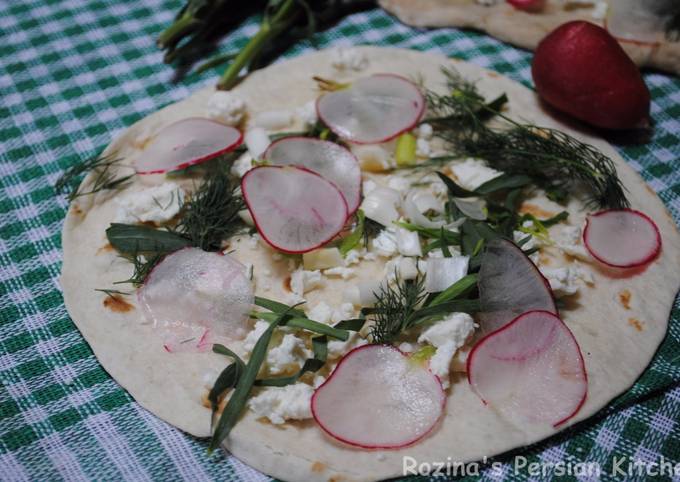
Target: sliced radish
641 22
509 285
294 209
528 5
187 142
377 398
373 109
531 370
328 159
622 238
192 296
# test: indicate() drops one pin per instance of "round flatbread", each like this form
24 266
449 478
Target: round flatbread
618 334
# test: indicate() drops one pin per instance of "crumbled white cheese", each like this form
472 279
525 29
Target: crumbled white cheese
254 335
256 140
422 147
226 107
341 271
289 354
307 114
399 183
279 404
530 243
569 240
402 268
318 381
347 58
385 243
344 312
253 240
274 119
367 187
472 173
407 347
567 280
302 281
425 131
381 205
338 348
321 312
352 257
447 335
362 293
242 165
155 204
408 242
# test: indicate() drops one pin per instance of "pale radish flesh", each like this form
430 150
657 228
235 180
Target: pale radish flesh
295 210
531 370
185 143
193 297
509 285
378 398
640 21
622 238
330 160
372 109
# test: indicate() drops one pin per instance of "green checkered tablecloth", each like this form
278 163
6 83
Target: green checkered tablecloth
74 74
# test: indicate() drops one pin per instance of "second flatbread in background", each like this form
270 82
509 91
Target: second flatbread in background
525 29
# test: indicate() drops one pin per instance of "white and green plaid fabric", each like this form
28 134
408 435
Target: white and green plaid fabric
74 74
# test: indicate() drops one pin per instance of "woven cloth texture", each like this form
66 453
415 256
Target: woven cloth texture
72 76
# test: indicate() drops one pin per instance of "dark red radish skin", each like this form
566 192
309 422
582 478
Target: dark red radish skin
580 69
622 238
531 369
328 159
171 148
346 411
295 210
403 117
528 5
510 284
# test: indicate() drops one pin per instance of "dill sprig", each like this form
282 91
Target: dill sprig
211 214
143 264
106 177
394 307
553 159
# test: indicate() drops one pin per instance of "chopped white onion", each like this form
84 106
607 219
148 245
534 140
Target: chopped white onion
381 205
416 217
474 208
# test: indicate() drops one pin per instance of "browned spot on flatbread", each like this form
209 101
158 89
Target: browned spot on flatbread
105 249
318 467
204 400
76 209
544 259
540 213
117 304
571 6
493 74
635 323
336 478
286 284
624 298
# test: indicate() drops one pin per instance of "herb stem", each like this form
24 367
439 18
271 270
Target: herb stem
305 324
179 28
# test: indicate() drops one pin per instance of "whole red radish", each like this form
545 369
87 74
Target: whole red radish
528 5
581 69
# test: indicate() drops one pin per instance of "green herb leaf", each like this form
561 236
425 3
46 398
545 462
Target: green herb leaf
304 323
106 176
353 240
277 307
394 308
131 239
458 289
320 350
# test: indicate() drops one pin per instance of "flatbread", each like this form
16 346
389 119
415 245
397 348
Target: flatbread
521 28
615 349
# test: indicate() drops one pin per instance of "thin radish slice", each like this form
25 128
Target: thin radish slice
377 398
509 285
531 370
622 238
185 143
528 5
192 297
294 209
328 159
640 21
373 109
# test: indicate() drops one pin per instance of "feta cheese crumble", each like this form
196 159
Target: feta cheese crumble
155 204
567 280
447 336
302 281
226 107
278 404
385 243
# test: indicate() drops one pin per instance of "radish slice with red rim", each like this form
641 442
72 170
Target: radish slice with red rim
509 285
294 209
378 398
373 109
192 296
528 5
185 143
328 159
622 238
531 370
